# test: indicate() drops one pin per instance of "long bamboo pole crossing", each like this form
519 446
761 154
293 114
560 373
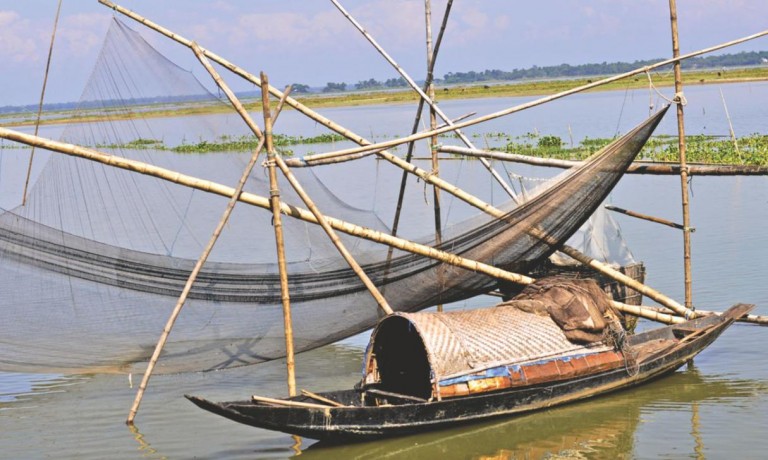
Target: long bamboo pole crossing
298 213
637 167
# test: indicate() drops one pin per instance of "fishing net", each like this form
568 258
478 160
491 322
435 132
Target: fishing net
92 264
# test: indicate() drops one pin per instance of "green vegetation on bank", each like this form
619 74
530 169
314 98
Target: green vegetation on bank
225 143
747 150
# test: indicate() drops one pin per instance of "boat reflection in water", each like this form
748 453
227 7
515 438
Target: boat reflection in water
604 427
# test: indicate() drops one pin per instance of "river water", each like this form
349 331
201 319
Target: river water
717 407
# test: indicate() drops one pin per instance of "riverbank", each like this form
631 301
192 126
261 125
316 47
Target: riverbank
352 99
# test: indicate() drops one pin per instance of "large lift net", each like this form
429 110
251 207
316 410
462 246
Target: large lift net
92 265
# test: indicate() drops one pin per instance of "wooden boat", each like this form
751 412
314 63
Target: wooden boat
376 410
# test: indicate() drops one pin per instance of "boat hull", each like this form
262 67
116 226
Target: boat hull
356 422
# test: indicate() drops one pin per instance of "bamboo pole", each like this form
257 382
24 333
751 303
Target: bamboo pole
277 224
323 222
749 319
647 313
434 109
322 399
417 119
284 402
433 140
40 105
730 125
227 91
638 215
637 167
679 99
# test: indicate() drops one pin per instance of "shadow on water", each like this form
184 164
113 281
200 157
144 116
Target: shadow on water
603 427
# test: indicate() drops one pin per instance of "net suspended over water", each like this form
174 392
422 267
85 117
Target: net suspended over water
92 265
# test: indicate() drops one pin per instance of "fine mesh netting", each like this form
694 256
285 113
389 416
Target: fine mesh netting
92 265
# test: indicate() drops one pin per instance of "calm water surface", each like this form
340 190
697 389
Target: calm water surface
715 408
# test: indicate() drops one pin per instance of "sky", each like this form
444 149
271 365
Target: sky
310 42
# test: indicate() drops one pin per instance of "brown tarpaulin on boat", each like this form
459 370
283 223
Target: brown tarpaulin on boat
579 306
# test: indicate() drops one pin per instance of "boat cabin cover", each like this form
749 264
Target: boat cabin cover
424 354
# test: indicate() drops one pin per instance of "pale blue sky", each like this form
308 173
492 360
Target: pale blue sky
308 41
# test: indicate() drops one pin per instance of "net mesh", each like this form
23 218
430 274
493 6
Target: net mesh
91 266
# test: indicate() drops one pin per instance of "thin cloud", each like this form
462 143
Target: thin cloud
18 38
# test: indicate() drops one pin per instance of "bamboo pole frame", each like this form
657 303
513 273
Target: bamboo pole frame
330 124
378 148
188 286
323 222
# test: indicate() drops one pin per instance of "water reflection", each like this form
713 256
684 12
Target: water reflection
604 427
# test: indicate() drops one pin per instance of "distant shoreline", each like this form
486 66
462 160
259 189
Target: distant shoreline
360 98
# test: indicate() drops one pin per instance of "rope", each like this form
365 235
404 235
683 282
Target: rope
614 335
679 98
40 105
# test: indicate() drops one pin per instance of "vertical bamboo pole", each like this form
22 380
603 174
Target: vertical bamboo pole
683 164
217 231
416 121
274 198
433 139
40 105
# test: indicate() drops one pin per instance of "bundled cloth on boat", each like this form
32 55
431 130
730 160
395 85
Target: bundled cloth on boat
579 306
92 265
553 321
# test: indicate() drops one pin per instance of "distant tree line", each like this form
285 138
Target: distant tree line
743 59
746 58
